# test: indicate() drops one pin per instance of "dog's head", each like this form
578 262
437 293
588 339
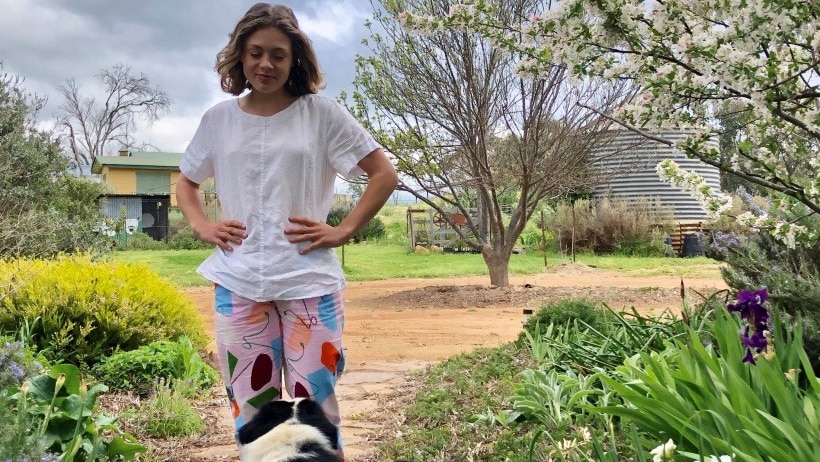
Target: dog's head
302 421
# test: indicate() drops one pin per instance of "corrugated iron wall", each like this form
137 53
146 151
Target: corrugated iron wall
628 166
111 206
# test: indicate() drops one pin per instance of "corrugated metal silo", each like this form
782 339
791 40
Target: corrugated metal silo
628 165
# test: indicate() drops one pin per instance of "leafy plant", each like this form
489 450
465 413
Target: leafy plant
709 401
62 407
138 370
555 399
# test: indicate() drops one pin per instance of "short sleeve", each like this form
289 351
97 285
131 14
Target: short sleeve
347 142
197 163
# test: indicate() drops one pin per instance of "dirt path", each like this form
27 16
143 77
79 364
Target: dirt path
396 326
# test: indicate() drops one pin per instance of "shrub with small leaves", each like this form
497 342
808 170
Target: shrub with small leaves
565 311
142 241
373 229
89 309
16 440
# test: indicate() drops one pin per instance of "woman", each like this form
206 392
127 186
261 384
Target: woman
274 154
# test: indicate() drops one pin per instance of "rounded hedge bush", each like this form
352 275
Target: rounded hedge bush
79 310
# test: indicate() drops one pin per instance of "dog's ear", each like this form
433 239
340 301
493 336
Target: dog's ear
267 417
309 412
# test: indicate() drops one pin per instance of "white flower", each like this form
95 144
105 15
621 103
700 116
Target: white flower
664 452
720 459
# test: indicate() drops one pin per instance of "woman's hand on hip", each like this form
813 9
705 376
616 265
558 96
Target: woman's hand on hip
220 233
318 233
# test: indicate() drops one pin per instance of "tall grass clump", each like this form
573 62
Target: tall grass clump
167 413
612 226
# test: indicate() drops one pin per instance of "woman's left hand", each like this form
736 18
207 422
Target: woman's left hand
318 233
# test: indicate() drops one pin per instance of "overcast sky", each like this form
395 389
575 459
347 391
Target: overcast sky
173 42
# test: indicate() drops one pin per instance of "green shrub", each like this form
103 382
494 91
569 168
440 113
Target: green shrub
373 229
565 311
44 209
168 414
142 241
138 370
88 310
182 242
180 235
652 246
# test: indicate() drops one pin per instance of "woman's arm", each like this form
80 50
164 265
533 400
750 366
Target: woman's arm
219 233
380 185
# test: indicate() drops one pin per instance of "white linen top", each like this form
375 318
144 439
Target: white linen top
266 169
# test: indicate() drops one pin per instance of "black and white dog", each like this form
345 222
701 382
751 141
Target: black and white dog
289 431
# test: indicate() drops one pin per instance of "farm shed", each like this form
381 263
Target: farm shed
143 188
147 214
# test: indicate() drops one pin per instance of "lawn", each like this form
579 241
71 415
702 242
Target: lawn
367 262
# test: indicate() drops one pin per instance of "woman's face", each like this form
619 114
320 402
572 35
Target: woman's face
267 60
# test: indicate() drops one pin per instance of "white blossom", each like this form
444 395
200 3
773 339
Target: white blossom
686 55
664 452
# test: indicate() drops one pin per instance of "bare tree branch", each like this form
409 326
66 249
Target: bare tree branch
93 128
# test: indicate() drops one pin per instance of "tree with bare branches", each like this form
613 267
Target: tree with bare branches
92 126
469 134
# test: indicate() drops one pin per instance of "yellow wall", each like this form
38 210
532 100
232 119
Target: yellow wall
124 181
174 179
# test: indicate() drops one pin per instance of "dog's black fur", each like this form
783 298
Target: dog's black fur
303 412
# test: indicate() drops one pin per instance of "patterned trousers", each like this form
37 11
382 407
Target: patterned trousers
259 342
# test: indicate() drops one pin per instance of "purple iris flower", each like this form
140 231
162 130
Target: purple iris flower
750 306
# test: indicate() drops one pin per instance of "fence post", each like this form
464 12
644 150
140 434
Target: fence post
543 238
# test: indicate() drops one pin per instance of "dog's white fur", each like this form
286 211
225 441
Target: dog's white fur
282 443
289 440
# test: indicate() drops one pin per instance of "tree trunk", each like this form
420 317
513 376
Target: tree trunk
498 263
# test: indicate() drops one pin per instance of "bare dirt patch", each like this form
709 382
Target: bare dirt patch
395 326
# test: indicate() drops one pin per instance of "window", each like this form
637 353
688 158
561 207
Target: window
154 183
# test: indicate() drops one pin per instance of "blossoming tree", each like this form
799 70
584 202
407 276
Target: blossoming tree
690 58
472 138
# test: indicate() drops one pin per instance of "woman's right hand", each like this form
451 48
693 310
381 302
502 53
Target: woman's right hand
220 233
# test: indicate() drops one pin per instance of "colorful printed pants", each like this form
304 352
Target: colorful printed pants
258 341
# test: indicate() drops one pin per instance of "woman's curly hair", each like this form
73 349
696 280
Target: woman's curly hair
305 76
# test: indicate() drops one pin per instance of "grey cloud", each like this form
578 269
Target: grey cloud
172 42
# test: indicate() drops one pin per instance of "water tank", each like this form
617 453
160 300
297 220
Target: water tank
691 246
627 168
